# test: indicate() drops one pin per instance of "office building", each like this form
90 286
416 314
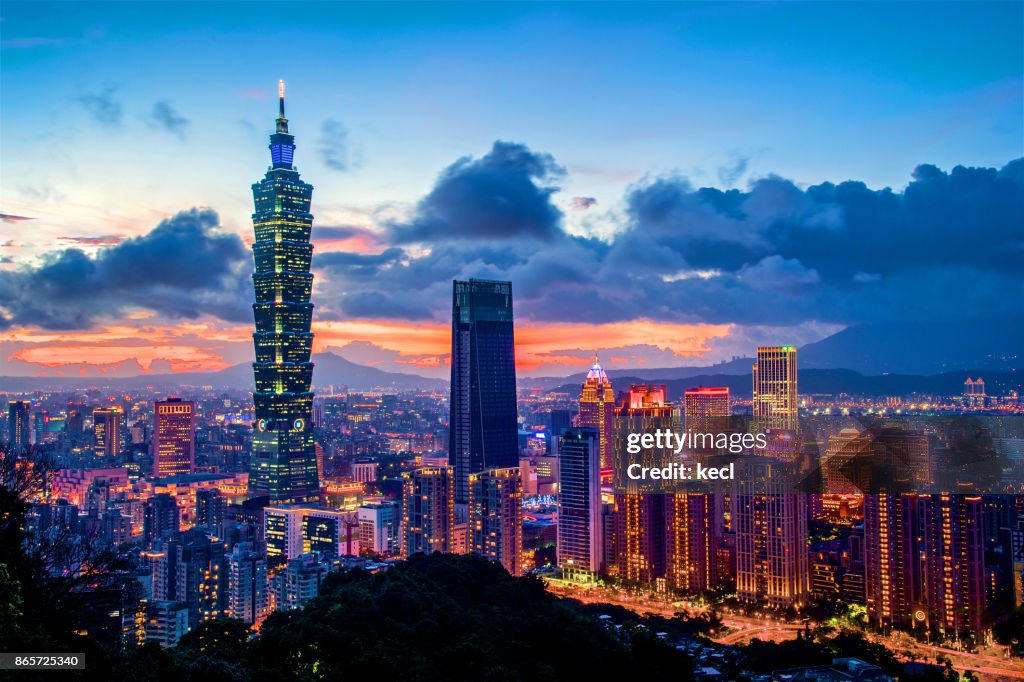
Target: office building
483 428
283 464
580 540
210 507
706 409
775 388
379 526
174 437
293 530
597 410
108 428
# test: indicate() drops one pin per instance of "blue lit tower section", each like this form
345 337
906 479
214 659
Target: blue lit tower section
283 462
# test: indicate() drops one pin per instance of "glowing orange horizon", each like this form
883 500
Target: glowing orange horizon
206 346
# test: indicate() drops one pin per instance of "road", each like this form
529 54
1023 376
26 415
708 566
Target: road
991 665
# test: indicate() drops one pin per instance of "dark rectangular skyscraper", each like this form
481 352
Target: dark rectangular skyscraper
484 429
17 424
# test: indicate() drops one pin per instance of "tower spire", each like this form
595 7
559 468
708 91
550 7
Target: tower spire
282 122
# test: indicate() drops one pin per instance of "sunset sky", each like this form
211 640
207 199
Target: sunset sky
663 184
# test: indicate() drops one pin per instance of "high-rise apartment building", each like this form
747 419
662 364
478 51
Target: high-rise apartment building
247 584
597 410
691 548
18 425
483 430
495 529
770 522
580 539
428 510
283 464
924 562
174 437
775 388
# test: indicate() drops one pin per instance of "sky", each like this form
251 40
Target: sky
664 184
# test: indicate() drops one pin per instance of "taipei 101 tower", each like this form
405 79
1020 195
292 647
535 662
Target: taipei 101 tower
283 464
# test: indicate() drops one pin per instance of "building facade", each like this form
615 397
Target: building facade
174 437
283 464
483 427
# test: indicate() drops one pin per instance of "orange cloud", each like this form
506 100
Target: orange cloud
199 346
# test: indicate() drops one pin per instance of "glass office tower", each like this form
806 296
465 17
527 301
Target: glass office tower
484 432
283 462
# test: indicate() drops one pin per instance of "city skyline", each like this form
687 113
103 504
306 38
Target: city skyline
598 205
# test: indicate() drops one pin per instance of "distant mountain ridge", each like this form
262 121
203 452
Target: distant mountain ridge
330 370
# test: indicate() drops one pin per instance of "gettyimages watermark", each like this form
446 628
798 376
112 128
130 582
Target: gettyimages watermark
831 455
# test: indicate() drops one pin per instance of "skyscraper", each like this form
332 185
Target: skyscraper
428 510
17 425
108 431
580 540
639 515
691 550
283 457
924 562
484 432
597 410
770 521
775 395
174 437
496 517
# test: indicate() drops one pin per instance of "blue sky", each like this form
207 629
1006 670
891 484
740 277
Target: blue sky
116 116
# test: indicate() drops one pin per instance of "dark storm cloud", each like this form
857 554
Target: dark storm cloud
163 116
103 106
333 145
184 268
949 245
504 194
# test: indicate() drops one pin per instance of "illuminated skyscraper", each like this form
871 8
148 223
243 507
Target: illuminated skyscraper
924 562
108 431
496 517
17 425
580 543
484 433
640 516
770 521
174 437
283 462
597 410
691 549
428 510
775 395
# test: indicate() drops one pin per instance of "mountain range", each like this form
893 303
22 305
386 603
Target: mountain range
929 358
